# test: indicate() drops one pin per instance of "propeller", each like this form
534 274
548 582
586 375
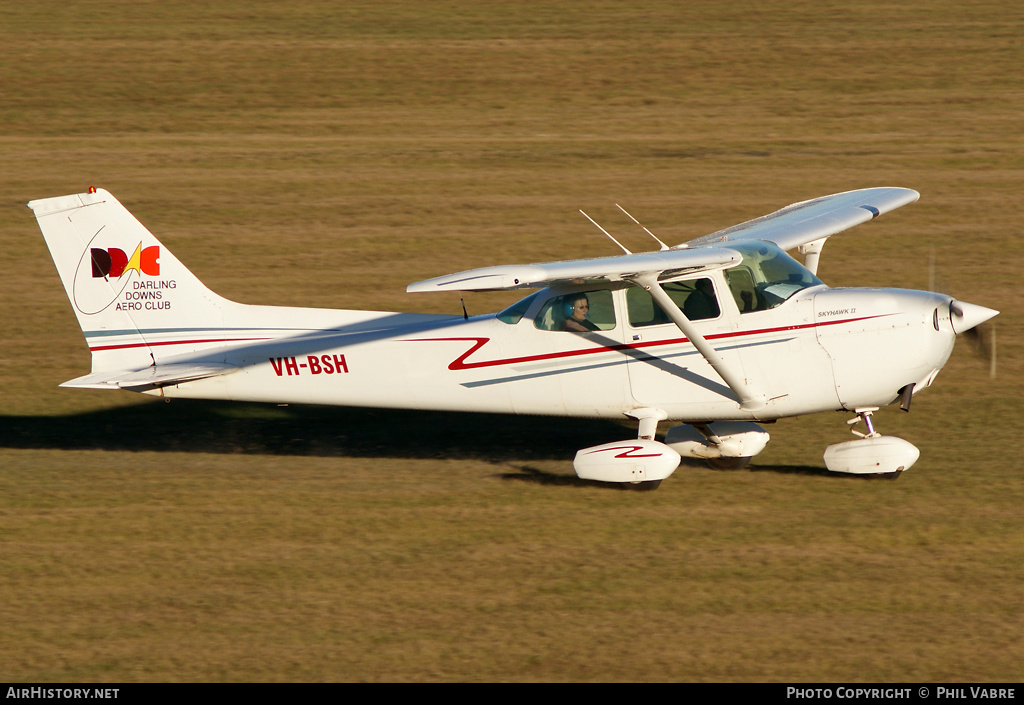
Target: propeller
969 320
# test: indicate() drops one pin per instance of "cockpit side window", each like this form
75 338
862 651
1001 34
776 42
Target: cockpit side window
696 298
741 284
766 277
582 312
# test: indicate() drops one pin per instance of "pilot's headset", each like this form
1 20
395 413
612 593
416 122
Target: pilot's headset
567 305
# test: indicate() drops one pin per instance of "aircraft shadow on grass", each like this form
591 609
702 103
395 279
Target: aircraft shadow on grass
528 473
263 429
259 429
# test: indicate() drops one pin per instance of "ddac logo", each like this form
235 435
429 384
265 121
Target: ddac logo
105 273
114 262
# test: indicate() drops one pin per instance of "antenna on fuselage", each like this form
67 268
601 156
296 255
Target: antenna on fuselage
605 232
663 245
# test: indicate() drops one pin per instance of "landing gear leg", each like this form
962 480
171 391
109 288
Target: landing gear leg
865 416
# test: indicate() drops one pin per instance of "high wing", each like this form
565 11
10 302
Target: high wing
665 264
802 223
795 225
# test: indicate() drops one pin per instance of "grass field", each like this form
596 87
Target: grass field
327 154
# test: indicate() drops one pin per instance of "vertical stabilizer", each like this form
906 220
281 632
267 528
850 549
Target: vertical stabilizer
134 300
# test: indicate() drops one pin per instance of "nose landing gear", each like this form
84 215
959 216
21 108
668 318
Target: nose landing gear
872 453
865 416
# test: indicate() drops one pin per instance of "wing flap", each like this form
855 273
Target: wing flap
156 376
585 271
807 221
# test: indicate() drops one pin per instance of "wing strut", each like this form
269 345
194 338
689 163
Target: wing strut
811 252
750 398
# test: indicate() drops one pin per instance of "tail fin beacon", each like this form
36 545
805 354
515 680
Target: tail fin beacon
134 300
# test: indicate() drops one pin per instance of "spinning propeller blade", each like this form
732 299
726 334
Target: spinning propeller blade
967 320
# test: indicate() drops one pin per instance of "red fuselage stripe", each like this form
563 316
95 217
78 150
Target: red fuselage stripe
460 362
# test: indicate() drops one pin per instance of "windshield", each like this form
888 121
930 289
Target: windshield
513 313
766 277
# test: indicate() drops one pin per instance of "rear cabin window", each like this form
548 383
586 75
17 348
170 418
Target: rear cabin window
696 298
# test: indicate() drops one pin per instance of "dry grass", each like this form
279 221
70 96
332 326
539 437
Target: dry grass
328 157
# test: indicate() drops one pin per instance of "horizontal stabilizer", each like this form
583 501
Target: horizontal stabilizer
155 376
666 264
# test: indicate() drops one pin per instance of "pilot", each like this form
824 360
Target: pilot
701 303
747 297
577 311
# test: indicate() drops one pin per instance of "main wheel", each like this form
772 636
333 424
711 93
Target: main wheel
728 463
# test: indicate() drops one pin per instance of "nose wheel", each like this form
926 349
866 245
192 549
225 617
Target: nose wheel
871 453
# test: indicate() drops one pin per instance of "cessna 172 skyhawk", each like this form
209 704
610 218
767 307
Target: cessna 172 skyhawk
718 333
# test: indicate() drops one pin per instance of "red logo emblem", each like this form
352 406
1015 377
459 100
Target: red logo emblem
114 262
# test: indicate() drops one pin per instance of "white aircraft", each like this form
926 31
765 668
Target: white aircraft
718 333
